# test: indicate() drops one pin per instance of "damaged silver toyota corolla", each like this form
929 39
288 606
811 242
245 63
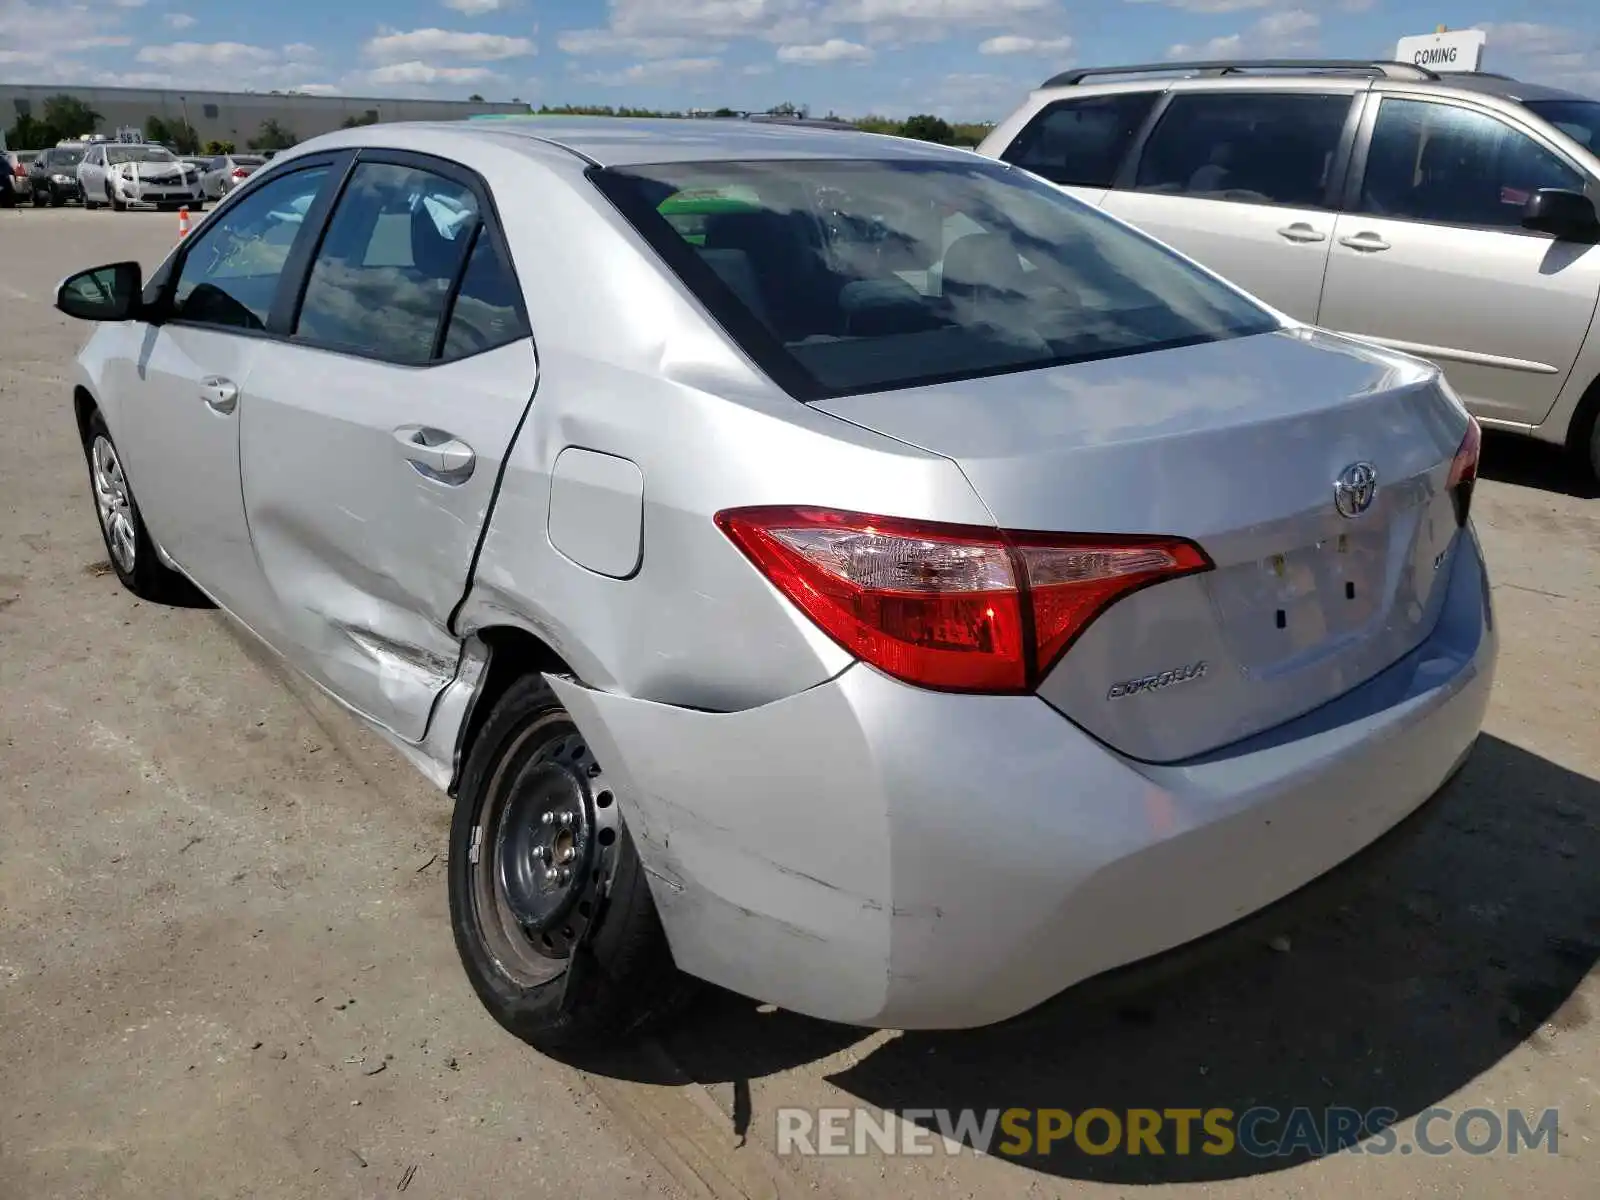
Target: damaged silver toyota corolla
841 568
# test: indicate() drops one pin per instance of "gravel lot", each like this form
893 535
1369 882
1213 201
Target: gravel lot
226 967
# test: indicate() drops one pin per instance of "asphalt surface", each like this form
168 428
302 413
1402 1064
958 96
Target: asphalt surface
226 967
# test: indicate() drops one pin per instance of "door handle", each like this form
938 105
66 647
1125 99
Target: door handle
1370 242
435 453
1300 231
221 395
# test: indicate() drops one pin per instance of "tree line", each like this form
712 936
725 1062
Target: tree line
64 117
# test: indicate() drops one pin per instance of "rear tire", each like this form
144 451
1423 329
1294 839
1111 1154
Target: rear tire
535 835
127 541
57 200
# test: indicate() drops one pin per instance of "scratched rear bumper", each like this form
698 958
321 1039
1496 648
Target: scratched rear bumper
876 854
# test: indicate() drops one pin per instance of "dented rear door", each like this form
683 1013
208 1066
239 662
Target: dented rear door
368 482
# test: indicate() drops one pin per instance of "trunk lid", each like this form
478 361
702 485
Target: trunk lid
1236 445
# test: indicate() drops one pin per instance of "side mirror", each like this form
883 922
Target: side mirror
1566 214
103 293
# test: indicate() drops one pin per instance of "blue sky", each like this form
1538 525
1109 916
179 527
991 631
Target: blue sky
963 59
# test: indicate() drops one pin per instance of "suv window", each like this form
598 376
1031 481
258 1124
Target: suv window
382 277
1081 141
229 276
1251 147
1455 166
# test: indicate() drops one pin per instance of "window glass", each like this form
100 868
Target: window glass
230 275
1578 119
383 274
1251 147
1439 162
485 313
848 276
139 154
1081 141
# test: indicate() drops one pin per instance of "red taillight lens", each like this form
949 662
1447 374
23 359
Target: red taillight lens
20 171
1464 471
954 607
239 173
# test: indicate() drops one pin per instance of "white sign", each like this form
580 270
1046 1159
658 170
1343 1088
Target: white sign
1457 50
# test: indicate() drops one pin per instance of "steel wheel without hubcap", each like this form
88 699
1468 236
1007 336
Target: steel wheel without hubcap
112 503
542 852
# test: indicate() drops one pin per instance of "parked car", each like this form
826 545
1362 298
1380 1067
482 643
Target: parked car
227 171
17 187
123 175
911 593
1420 210
54 176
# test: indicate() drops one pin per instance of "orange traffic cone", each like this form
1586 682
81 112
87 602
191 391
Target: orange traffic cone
183 222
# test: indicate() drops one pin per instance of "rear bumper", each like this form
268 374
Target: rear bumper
876 854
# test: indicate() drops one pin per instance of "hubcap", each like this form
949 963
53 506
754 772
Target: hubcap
113 503
543 851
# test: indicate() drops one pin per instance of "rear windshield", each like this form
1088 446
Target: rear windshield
851 276
1578 119
247 160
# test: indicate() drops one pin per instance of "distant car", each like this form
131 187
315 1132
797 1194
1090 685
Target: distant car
17 186
124 175
54 176
226 172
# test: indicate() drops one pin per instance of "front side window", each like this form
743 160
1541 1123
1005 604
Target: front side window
852 276
383 275
1455 166
230 275
1251 147
1081 142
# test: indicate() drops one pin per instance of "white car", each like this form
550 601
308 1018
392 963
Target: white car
122 175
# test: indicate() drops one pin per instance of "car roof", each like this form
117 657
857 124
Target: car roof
622 141
1505 86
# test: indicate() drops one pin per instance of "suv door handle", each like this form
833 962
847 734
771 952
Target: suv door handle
435 453
221 395
1301 231
1369 242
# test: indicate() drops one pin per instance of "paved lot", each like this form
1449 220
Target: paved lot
226 968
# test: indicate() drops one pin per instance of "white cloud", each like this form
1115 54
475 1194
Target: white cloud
177 20
211 54
1551 54
655 72
609 42
129 3
1210 6
427 74
1279 33
834 50
320 89
420 44
475 8
716 20
300 51
1011 43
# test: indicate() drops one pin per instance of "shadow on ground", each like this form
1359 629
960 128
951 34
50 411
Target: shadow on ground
1404 980
1525 462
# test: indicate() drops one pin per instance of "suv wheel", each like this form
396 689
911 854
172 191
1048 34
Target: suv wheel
551 911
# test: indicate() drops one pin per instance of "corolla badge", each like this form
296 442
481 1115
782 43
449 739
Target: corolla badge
1355 489
1155 683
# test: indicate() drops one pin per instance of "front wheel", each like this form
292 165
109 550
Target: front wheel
551 911
128 544
57 199
111 199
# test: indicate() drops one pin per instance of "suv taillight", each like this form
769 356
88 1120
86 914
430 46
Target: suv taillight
1464 471
952 607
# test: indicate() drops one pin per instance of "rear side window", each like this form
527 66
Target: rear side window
1081 142
1250 147
486 312
852 276
382 279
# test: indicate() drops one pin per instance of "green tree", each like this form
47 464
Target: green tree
476 99
177 133
215 148
370 117
927 128
69 117
156 129
29 133
273 136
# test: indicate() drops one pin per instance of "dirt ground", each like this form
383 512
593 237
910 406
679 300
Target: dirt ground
226 967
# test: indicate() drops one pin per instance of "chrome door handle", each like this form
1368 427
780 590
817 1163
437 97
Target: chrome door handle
1369 242
1300 231
435 453
221 395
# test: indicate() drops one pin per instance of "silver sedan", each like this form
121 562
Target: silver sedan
222 174
844 569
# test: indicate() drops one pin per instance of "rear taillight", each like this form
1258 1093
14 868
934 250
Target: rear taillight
953 607
19 170
239 173
1464 471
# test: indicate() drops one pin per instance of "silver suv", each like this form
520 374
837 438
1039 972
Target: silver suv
1449 216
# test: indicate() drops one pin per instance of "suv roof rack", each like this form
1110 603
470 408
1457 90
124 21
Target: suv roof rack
1380 67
